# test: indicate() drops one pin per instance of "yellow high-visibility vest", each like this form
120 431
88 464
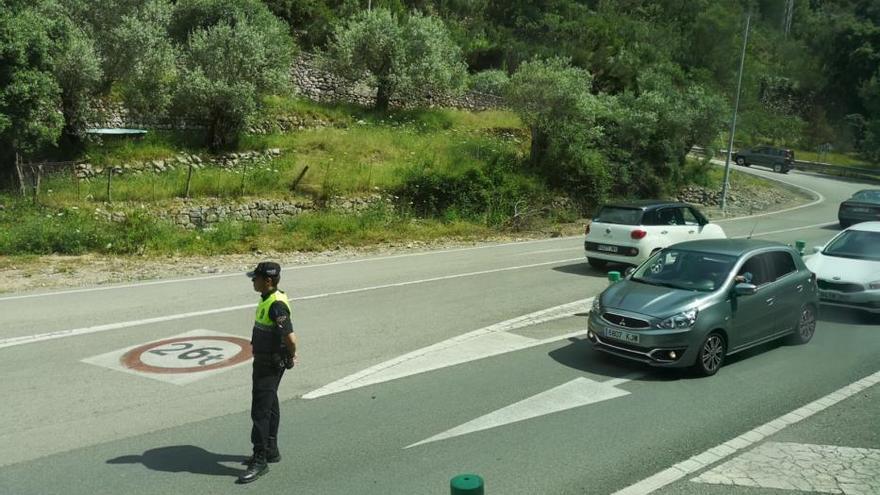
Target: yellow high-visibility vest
262 320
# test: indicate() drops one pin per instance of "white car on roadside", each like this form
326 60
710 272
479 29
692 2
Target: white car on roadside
848 268
630 232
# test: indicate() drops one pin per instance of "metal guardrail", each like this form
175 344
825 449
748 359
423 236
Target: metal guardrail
821 168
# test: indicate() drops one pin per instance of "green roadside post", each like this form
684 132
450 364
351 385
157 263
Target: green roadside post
466 484
613 277
800 246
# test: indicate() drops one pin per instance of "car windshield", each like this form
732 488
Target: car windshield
868 196
855 244
687 270
619 215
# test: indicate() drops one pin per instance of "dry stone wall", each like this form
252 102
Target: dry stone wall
207 213
319 85
229 161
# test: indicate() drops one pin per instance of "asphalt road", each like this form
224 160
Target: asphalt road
357 418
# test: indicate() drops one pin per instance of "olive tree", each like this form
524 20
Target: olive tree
400 54
228 64
143 57
77 70
30 98
548 94
554 100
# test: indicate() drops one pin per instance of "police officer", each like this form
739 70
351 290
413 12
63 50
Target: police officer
274 349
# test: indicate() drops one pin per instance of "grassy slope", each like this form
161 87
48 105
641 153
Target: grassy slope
354 153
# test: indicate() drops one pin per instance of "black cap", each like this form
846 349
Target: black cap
266 269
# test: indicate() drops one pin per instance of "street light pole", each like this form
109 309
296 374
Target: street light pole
742 60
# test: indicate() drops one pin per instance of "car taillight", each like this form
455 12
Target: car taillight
638 234
587 229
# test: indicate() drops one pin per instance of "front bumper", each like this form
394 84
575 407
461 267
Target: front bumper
868 300
653 348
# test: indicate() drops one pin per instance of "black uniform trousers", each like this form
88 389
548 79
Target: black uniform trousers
265 412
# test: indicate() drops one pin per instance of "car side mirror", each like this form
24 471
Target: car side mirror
629 271
817 249
744 289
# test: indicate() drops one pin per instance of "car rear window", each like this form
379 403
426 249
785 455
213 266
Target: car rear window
619 215
870 196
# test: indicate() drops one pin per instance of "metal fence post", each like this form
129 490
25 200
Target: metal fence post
109 180
189 175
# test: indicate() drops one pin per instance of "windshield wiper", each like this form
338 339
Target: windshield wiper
659 284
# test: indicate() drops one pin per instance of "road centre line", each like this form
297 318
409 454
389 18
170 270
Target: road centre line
287 268
746 440
793 229
29 339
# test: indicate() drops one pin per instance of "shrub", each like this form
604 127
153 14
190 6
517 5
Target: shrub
492 81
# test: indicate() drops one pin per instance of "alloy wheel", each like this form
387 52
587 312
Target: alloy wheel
712 353
807 324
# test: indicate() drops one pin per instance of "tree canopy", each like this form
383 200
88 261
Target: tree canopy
411 53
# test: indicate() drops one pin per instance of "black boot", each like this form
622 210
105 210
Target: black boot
272 453
272 457
255 469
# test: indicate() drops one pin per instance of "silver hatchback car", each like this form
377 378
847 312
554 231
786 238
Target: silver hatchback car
694 303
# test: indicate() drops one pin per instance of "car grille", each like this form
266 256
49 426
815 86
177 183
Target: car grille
840 286
625 321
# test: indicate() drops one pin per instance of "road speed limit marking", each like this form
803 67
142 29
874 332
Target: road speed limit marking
179 359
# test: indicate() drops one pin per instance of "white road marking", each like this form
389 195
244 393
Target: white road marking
479 344
29 339
288 268
819 197
573 248
793 229
745 440
113 359
576 393
803 467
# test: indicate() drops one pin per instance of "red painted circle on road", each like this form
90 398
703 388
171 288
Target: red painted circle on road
133 359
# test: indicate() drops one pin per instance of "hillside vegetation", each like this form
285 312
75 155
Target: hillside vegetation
601 99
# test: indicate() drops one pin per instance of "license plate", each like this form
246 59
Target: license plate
610 249
632 338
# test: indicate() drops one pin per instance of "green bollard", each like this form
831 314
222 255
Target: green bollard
613 277
800 246
466 484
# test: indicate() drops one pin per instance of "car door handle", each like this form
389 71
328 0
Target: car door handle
770 300
664 232
800 287
691 232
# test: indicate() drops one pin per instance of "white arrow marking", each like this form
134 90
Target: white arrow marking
576 393
479 344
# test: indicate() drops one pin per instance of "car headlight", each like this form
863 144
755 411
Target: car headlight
874 285
597 306
685 319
